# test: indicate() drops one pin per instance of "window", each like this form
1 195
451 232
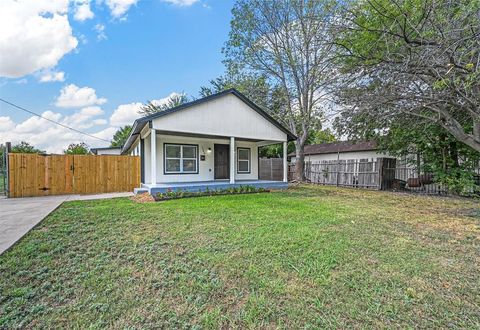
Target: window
181 158
243 160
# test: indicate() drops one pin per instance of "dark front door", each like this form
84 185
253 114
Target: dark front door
221 158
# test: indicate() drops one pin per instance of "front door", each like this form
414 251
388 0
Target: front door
221 158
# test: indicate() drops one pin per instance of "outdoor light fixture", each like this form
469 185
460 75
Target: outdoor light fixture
209 150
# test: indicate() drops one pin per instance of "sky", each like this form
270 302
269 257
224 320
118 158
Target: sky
91 64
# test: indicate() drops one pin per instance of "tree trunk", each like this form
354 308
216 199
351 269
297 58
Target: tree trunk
299 174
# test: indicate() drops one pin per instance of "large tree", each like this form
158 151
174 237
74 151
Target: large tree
121 136
289 43
255 87
173 101
412 61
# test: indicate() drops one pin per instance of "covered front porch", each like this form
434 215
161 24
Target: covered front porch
209 185
211 143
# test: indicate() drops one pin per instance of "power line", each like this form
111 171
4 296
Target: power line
53 121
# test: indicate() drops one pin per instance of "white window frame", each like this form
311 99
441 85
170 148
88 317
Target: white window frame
181 159
244 160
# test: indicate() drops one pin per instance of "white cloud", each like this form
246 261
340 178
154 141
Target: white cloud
21 81
34 35
181 3
6 124
125 114
49 76
118 8
72 96
53 138
100 29
82 10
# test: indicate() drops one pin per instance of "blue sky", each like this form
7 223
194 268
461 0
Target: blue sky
105 58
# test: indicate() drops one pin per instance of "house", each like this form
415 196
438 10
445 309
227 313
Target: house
342 150
210 143
107 151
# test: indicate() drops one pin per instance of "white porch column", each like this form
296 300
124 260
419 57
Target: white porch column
232 160
285 165
153 156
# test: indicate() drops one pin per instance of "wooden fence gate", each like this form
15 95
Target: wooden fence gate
270 169
43 175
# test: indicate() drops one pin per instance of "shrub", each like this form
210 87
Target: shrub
170 194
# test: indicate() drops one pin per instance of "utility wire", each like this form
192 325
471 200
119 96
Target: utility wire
53 121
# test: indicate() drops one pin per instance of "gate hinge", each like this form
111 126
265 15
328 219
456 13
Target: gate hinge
44 189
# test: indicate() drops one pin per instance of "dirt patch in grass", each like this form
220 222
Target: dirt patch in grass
142 198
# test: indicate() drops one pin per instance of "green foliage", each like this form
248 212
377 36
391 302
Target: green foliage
173 101
321 136
452 163
27 148
314 137
77 149
121 136
242 189
255 87
411 58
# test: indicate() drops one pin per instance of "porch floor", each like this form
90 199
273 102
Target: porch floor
210 185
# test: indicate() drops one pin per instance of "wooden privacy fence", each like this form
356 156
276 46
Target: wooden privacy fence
270 169
360 173
43 175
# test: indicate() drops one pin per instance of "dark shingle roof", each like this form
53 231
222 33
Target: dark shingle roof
341 146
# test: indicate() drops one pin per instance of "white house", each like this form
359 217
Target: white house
208 143
342 150
107 151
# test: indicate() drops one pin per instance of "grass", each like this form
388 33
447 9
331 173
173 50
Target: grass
309 257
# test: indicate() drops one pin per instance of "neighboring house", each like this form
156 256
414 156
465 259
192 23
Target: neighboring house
210 143
342 150
107 151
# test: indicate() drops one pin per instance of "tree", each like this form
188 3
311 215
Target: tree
255 87
289 43
77 149
173 101
121 136
27 148
412 61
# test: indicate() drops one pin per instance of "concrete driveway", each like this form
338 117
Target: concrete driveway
19 215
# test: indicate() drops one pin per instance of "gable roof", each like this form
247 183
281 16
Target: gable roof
140 123
336 147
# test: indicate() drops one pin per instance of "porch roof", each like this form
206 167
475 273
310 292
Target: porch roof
140 123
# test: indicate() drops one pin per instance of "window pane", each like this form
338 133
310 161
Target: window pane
172 165
190 165
172 151
189 152
243 154
243 166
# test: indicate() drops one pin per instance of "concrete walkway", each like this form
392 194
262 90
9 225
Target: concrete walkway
19 215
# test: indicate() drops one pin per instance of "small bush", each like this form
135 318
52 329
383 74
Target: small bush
170 194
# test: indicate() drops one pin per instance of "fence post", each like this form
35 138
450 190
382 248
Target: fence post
381 185
271 169
8 149
338 167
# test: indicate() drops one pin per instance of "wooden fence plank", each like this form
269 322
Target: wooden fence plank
29 174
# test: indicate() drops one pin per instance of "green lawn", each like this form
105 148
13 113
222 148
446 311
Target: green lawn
308 257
